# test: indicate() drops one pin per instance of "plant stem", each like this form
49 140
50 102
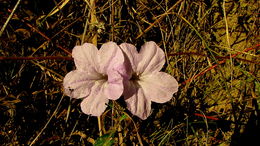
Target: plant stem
9 18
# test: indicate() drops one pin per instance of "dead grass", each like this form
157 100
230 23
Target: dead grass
212 49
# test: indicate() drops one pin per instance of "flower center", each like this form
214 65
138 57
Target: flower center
135 77
104 77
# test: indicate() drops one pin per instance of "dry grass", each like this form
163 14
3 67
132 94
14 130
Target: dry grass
212 48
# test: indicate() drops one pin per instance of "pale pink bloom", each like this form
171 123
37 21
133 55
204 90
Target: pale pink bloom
97 77
145 82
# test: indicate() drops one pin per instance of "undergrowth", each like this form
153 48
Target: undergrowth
212 49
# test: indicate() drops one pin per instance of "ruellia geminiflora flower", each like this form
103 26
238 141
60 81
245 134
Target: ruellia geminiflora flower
115 70
146 83
97 78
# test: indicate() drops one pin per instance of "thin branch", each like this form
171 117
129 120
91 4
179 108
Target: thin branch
204 55
9 18
46 37
219 63
37 58
45 126
159 19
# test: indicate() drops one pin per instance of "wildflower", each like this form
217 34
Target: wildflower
145 81
97 77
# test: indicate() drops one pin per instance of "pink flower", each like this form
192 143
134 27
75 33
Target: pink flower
145 81
97 77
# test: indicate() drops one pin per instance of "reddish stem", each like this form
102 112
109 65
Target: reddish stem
208 117
37 58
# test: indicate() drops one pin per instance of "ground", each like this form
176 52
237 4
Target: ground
211 47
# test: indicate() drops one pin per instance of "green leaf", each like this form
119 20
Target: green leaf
105 140
124 116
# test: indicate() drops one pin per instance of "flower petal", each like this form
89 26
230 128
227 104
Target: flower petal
96 103
159 86
115 86
85 57
131 54
77 84
151 58
110 57
137 102
111 63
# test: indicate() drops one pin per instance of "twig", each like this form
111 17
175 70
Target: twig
46 37
159 19
44 68
66 27
219 63
112 19
53 114
93 21
85 30
228 42
226 23
204 55
8 19
137 133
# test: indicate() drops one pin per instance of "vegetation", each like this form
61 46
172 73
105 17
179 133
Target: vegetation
211 48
